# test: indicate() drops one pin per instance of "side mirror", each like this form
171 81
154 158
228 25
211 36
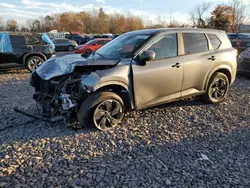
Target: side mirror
146 56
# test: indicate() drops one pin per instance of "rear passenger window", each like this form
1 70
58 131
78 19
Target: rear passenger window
31 40
17 41
214 41
195 43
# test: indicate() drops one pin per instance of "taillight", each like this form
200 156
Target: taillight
239 42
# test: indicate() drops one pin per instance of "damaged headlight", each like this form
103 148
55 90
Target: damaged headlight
66 102
90 81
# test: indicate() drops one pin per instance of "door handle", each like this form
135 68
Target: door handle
212 58
177 65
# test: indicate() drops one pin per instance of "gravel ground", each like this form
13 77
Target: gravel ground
182 144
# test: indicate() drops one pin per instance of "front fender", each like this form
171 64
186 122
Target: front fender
94 81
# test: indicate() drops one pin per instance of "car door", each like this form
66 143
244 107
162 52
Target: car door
65 43
198 60
160 80
19 48
59 45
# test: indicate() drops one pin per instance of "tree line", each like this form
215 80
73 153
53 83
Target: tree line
226 17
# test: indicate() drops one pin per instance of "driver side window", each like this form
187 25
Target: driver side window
165 47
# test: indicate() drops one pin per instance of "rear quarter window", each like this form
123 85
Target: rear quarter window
31 40
195 43
215 41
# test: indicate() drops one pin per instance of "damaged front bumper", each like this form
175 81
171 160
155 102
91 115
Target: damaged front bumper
50 120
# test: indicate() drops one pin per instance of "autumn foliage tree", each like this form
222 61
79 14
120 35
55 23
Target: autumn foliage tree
220 17
96 21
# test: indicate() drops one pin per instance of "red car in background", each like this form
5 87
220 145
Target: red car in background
91 46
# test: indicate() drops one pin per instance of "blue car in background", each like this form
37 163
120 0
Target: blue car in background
24 50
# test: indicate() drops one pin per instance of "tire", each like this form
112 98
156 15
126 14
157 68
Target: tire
88 52
33 62
217 88
94 111
70 48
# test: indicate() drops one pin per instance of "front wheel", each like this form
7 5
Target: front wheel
104 110
217 88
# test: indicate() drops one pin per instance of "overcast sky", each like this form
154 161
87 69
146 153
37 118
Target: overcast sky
21 10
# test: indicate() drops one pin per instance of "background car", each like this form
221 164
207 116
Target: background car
239 41
244 62
64 45
91 46
24 50
78 38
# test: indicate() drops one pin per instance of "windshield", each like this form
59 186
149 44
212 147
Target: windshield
91 42
122 46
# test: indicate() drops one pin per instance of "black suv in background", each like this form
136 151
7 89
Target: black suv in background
240 41
23 50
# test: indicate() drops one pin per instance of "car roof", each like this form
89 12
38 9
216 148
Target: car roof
161 30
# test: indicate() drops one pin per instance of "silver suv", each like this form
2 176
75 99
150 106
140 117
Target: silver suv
137 70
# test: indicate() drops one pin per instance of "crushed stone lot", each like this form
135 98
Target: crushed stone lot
182 144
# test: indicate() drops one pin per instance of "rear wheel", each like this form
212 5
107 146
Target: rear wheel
34 62
217 88
104 110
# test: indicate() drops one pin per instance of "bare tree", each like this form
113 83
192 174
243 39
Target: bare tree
238 12
197 15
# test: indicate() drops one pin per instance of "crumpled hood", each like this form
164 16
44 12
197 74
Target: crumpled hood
59 66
